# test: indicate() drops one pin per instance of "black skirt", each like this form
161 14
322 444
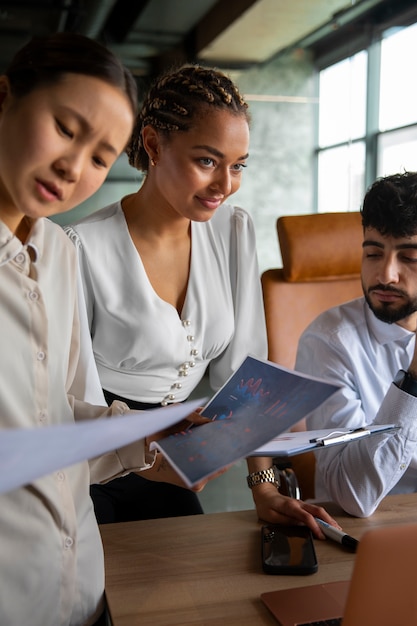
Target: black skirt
133 497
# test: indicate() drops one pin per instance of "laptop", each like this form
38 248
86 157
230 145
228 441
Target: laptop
381 592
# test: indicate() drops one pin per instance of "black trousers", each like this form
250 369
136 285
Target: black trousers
133 497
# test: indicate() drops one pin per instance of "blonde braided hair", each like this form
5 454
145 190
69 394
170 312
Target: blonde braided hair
175 101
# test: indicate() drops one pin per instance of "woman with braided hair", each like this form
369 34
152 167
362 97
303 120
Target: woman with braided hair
171 277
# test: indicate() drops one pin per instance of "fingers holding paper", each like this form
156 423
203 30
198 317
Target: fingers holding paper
193 419
162 471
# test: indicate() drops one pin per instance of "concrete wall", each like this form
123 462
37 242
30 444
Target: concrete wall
279 178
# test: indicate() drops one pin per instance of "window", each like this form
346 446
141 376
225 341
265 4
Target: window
397 151
398 93
342 111
397 140
367 122
341 133
341 177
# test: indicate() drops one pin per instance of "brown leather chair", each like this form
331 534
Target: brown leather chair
321 260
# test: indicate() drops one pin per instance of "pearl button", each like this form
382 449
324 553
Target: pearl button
41 355
20 258
68 543
33 296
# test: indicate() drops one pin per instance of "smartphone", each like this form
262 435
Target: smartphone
288 550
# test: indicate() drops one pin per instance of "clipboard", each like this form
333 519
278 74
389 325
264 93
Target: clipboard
291 443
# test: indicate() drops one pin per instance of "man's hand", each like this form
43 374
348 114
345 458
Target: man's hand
273 507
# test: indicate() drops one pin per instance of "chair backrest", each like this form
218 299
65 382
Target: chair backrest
321 258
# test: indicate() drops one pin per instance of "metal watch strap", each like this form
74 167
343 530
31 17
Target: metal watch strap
263 476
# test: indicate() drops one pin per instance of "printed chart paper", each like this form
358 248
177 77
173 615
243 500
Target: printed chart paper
259 401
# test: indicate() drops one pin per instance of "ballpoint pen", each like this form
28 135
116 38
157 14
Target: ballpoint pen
341 436
338 535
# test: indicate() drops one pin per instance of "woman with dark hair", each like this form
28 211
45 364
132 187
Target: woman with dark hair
37 64
171 278
67 109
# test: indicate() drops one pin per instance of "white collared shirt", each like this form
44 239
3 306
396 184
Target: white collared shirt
51 559
349 346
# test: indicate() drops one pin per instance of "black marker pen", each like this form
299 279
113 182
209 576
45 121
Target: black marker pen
338 535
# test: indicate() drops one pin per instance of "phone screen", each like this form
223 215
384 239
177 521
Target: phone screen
288 550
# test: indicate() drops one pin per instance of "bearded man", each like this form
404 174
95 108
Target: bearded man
367 347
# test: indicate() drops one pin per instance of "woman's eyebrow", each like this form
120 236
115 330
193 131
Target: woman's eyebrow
216 152
87 128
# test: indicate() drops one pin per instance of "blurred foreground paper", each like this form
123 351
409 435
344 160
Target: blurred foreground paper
29 453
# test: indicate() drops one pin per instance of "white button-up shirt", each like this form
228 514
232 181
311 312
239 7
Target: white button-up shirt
51 560
350 347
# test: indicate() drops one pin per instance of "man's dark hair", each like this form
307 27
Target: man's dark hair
390 205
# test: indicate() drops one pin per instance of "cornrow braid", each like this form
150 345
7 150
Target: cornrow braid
175 101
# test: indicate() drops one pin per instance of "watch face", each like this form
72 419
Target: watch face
399 378
277 475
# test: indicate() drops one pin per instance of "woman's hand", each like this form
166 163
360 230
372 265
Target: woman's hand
163 472
273 507
194 419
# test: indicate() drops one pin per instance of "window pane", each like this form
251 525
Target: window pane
341 178
397 151
398 94
342 107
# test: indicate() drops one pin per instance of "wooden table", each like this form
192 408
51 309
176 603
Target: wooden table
206 569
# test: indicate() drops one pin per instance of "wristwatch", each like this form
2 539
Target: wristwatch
406 382
270 475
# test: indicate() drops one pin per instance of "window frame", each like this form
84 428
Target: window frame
368 37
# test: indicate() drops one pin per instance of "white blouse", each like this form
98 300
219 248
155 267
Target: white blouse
143 349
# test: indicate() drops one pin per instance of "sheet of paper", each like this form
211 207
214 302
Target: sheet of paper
258 402
27 454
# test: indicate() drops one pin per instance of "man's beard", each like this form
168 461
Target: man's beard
386 312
